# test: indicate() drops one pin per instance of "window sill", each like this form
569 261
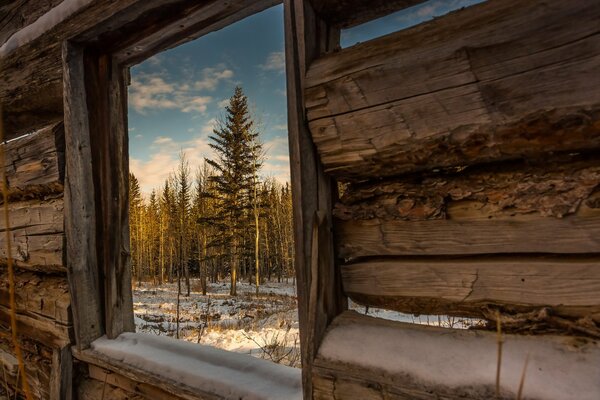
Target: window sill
192 371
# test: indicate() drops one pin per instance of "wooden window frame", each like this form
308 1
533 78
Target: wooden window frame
95 76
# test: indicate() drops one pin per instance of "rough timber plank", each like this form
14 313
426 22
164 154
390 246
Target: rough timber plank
80 205
465 286
31 76
61 378
37 234
348 13
38 365
557 188
447 237
15 15
499 80
144 378
44 295
35 163
319 291
145 390
42 329
92 389
393 360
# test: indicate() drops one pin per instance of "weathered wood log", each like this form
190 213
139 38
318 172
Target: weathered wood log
556 188
370 358
15 15
38 327
80 205
318 285
45 295
61 378
145 390
143 378
416 238
38 366
467 286
37 235
34 164
469 87
348 13
92 389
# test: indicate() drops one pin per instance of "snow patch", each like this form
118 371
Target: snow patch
43 24
457 358
204 368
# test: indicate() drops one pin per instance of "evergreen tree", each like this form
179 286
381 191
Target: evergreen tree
235 142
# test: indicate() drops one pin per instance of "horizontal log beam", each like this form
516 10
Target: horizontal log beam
370 358
470 87
46 295
37 235
34 164
446 237
349 13
557 187
39 328
467 286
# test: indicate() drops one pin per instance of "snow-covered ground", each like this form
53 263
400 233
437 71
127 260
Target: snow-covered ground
264 326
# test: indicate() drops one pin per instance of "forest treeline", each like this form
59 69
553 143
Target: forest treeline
221 220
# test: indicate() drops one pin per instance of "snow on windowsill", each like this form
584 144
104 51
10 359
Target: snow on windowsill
207 369
559 368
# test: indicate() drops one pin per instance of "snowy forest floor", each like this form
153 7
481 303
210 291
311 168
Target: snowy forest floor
264 326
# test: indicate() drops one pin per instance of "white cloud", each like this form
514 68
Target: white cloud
156 91
211 78
223 103
139 136
163 140
198 104
281 127
275 62
207 129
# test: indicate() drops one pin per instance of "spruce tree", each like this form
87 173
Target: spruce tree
235 142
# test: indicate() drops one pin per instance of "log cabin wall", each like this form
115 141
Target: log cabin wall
466 153
466 150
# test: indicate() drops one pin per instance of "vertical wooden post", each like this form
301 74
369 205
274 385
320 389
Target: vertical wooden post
306 37
80 203
107 100
61 377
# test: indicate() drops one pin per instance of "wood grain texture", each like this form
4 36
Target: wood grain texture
144 390
43 295
570 235
15 15
37 235
307 37
80 205
348 13
416 369
556 187
143 378
61 378
34 164
496 81
92 389
38 365
466 286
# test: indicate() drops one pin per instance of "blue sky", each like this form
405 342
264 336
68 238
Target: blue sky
176 96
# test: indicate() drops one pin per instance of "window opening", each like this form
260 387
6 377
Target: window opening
209 164
402 19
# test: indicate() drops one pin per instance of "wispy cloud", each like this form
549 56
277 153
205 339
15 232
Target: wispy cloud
211 78
275 62
157 92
